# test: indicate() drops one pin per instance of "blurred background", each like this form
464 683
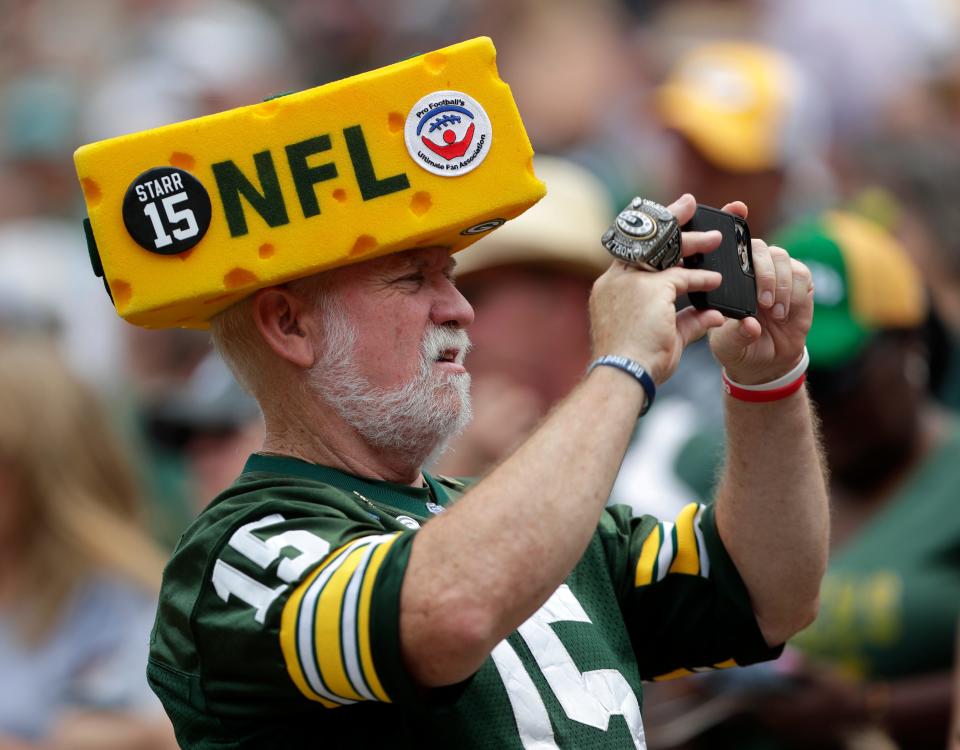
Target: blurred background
837 122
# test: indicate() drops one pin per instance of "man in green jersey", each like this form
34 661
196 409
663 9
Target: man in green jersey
339 596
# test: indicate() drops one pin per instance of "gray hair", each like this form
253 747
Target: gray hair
239 343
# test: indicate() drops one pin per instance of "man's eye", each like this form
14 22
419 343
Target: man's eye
416 278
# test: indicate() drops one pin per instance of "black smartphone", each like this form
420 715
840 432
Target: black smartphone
736 297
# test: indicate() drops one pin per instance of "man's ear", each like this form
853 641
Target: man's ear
285 321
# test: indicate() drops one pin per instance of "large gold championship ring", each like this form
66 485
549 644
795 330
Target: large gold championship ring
646 235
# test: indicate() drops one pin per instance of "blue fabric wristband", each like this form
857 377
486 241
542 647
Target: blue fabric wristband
631 367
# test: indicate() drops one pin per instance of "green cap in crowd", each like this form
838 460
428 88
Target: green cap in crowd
864 282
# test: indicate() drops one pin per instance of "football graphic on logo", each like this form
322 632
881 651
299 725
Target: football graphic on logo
446 125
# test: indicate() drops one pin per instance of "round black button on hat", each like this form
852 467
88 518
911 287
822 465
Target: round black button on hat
484 226
166 210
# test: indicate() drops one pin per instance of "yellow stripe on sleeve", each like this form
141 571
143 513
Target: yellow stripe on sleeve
648 558
688 556
327 635
288 640
681 672
726 664
363 621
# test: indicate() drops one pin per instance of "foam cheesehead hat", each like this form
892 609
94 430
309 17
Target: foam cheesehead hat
863 280
186 219
560 233
745 107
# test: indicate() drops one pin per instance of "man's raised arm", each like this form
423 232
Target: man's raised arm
480 570
772 509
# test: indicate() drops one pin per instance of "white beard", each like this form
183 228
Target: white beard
418 417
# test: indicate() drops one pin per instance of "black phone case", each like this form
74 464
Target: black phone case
736 297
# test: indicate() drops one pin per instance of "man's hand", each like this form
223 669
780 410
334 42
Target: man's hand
633 312
761 349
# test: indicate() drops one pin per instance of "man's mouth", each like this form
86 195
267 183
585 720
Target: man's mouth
448 355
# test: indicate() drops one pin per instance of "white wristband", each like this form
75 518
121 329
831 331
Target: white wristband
780 382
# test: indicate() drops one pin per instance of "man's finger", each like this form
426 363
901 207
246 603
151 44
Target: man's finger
749 328
683 208
693 324
802 282
687 280
765 273
692 243
783 286
737 207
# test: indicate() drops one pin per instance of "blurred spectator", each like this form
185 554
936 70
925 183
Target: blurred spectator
581 86
923 174
529 283
182 410
159 362
47 286
890 601
955 726
212 424
878 658
78 578
45 275
335 40
864 55
40 113
183 62
571 47
749 127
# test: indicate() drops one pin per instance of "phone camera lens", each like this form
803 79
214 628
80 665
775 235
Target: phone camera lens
744 255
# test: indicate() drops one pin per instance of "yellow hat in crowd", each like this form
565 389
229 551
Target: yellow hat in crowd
745 107
186 219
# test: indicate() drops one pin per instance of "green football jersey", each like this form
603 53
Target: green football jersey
278 624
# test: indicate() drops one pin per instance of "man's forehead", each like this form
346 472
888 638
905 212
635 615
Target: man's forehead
413 258
395 263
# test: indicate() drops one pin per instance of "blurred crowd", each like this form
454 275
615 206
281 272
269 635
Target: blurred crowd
838 123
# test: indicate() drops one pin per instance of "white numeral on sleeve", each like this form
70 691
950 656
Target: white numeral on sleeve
228 580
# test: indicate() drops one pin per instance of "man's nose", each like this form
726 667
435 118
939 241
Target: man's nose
451 307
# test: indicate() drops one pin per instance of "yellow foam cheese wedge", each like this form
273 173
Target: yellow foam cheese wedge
186 219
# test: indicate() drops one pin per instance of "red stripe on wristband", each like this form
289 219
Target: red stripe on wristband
758 397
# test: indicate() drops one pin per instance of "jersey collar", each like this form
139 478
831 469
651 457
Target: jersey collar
400 496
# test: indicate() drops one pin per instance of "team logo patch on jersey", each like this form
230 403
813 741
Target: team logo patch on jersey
448 133
410 523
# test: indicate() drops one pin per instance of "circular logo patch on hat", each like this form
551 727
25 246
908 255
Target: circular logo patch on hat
166 210
484 226
448 133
